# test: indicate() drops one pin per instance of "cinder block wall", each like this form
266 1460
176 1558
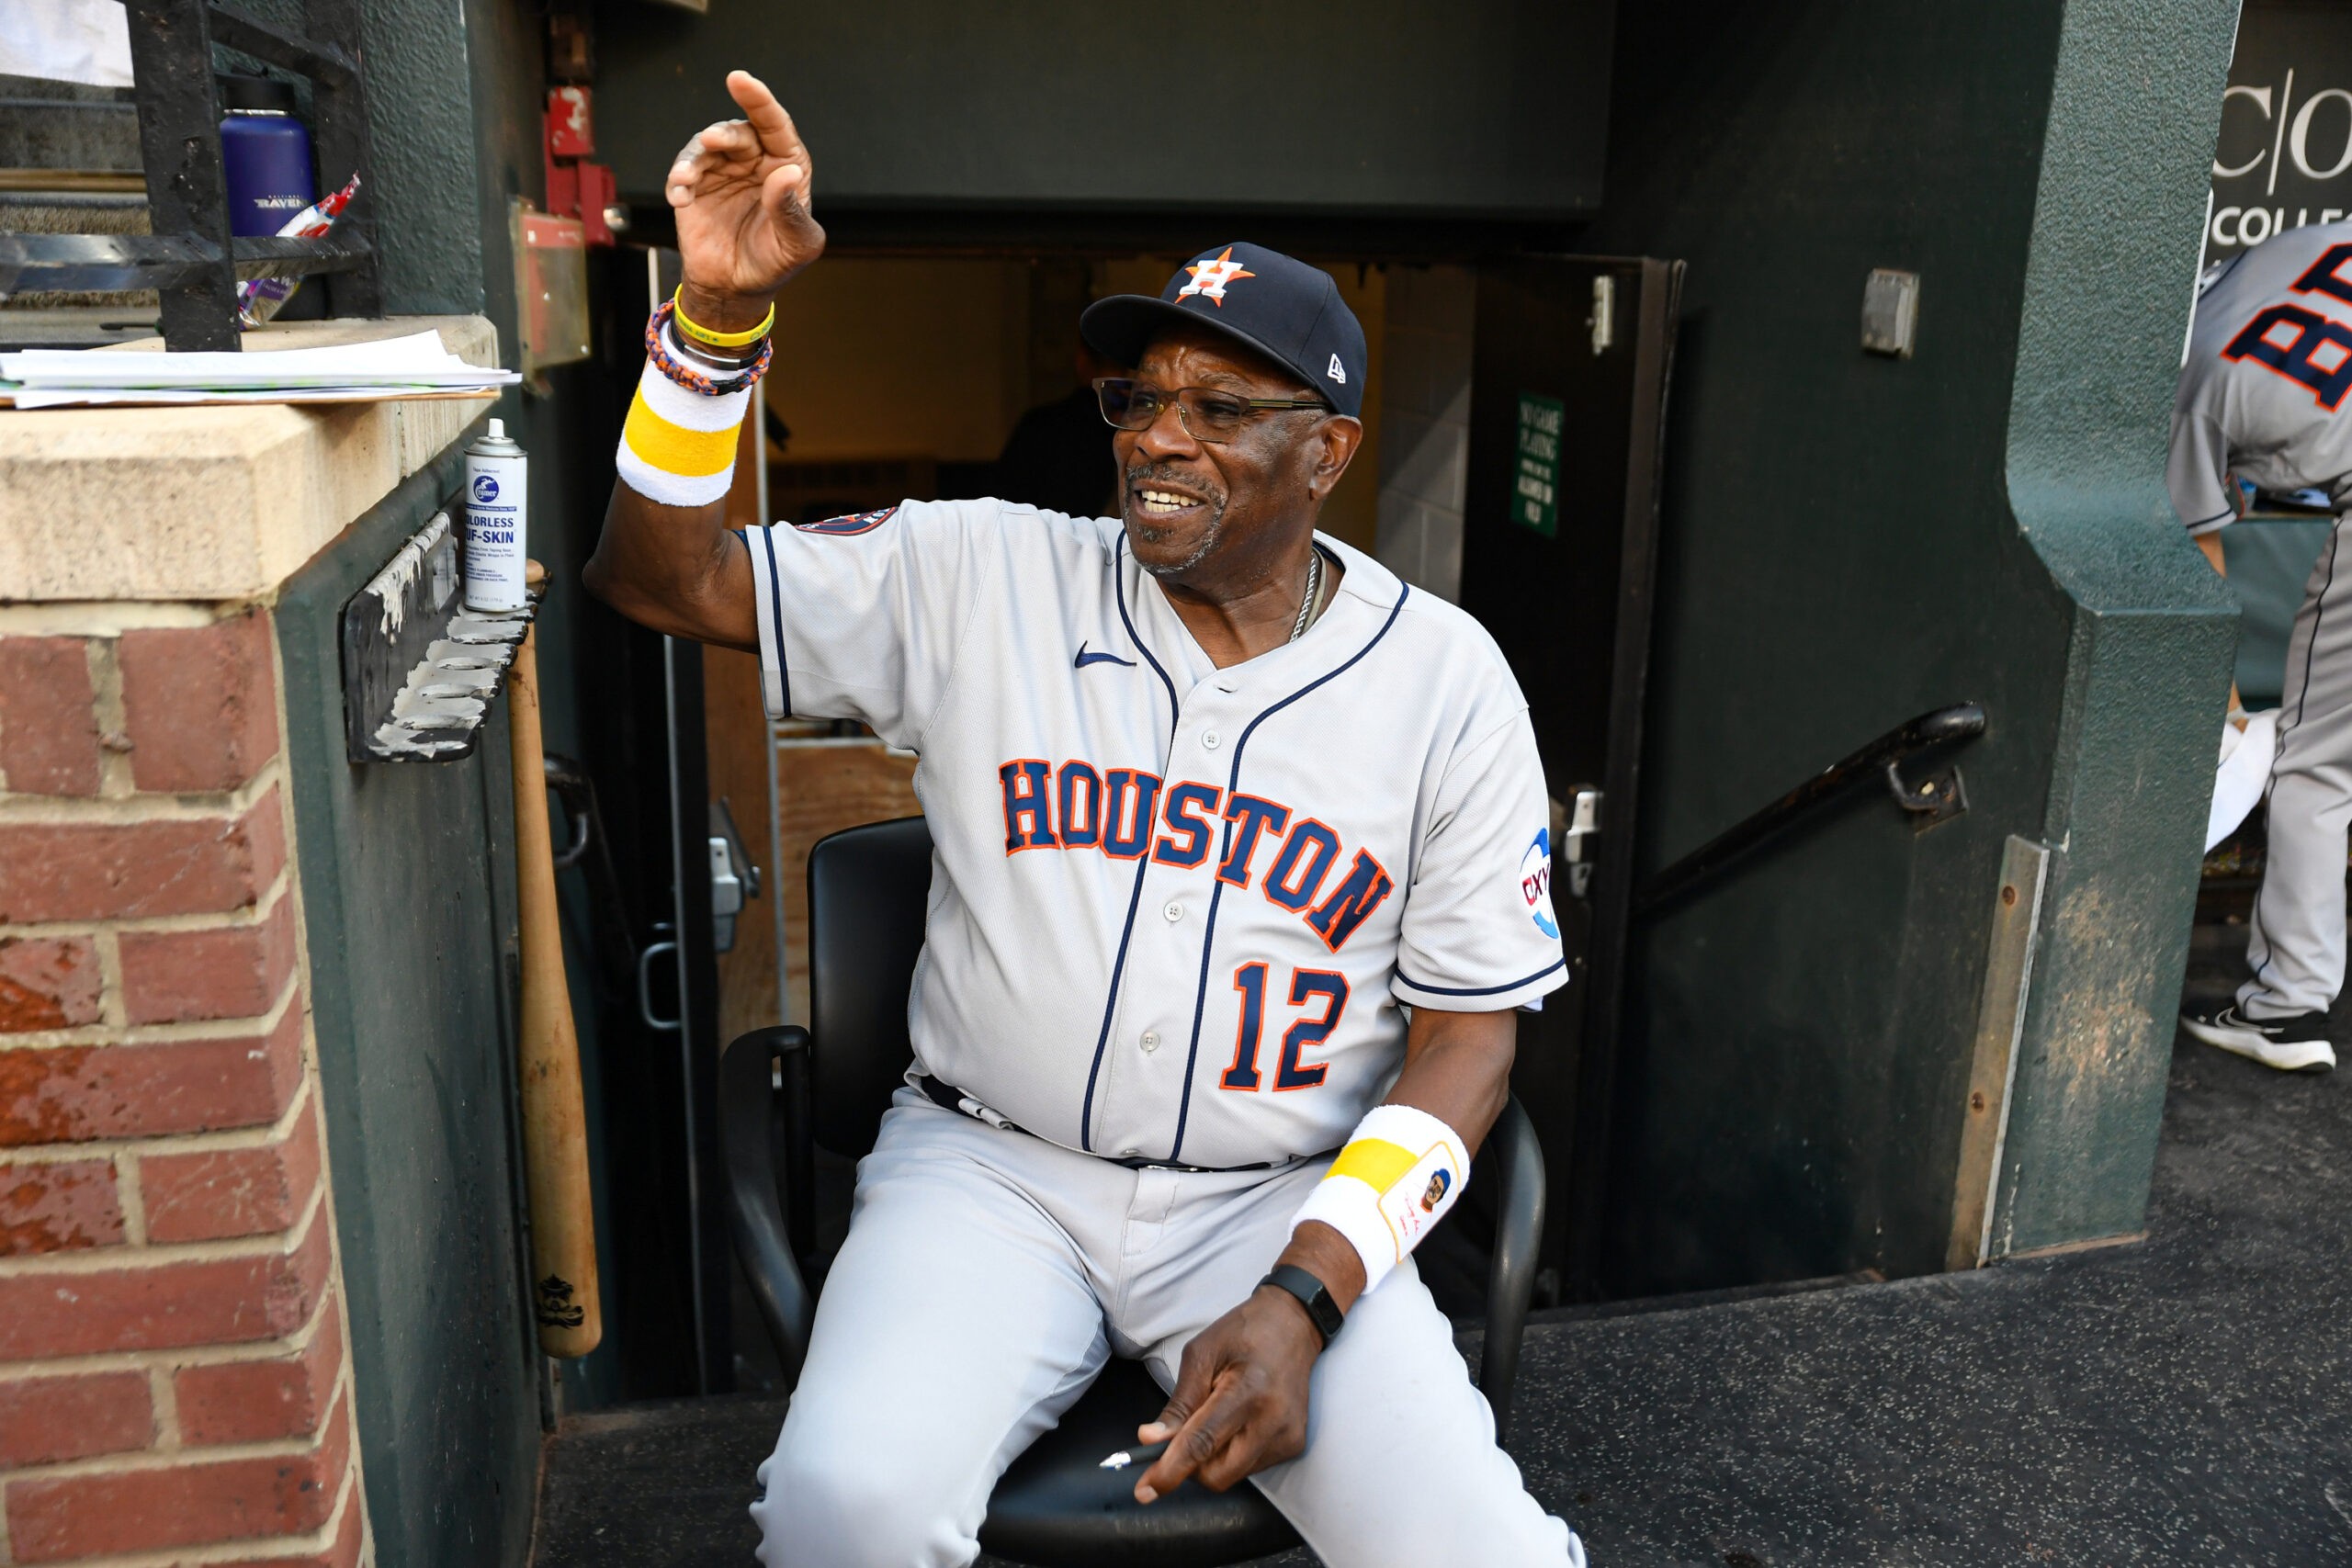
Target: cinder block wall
174 1387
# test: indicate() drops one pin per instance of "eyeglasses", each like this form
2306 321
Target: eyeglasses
1208 415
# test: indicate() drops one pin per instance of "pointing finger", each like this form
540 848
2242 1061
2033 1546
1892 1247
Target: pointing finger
779 138
1204 1434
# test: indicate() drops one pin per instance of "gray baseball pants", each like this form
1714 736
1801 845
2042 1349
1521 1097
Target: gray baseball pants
2297 940
988 1276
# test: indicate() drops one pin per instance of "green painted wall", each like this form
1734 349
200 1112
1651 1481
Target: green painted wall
1850 540
2117 231
407 896
1474 109
408 870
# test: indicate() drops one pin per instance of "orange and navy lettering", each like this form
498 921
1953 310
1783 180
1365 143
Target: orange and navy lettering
1250 818
1118 811
1181 822
1079 794
1336 918
1127 801
1028 815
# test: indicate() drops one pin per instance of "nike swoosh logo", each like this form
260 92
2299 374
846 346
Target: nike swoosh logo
1085 659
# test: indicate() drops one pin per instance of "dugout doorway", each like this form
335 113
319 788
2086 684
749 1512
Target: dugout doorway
1509 465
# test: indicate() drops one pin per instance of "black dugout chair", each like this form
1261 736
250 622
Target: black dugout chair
1055 1507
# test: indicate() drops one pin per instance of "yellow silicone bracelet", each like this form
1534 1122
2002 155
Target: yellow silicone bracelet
700 334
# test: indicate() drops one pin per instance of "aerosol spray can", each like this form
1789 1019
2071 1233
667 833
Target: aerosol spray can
497 504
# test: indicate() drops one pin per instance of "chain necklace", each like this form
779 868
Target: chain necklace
1314 591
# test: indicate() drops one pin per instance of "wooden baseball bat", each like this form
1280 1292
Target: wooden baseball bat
564 1296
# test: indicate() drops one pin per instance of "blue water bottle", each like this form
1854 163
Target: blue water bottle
266 154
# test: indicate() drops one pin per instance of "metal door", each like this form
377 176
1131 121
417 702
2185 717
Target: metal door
1569 387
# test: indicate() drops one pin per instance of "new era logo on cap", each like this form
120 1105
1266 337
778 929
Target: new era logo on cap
1269 303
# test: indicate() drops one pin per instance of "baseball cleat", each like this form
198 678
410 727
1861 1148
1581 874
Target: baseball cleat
2296 1044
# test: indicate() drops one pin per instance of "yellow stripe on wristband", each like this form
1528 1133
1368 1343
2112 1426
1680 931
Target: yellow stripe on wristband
673 448
1375 1162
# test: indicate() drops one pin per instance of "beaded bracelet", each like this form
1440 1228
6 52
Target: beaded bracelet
657 351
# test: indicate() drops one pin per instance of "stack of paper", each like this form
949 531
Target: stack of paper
413 366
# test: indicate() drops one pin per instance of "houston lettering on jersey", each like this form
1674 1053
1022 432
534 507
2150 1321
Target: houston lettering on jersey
1126 814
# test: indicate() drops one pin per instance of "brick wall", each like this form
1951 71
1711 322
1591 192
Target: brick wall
174 1388
1425 425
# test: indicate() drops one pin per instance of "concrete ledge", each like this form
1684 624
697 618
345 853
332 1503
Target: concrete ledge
222 502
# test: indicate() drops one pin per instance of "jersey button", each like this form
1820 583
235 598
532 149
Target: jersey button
1174 911
1212 739
1150 1041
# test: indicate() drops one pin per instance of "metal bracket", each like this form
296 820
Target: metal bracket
419 670
1584 823
1938 797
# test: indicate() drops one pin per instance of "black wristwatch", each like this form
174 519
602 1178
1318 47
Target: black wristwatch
1313 1294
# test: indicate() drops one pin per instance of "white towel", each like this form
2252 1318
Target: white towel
2242 774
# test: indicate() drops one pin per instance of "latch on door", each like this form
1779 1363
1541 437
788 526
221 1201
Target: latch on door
1584 823
733 877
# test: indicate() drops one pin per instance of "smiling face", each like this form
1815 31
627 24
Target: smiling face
1222 515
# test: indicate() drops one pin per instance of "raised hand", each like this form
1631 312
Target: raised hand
741 189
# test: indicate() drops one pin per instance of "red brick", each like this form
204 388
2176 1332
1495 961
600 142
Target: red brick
341 1551
49 733
231 1192
74 1093
219 972
252 1402
213 1301
50 1420
155 1507
47 983
96 871
200 704
60 1206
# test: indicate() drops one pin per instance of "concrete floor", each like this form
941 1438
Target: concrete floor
2184 1400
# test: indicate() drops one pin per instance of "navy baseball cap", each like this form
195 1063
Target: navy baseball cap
1286 310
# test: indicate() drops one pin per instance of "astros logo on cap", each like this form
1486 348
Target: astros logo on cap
1209 277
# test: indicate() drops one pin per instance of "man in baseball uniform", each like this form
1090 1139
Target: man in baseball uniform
2263 399
1241 872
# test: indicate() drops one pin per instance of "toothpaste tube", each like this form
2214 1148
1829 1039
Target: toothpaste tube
259 298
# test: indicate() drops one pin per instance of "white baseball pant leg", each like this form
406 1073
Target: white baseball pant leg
987 1276
2297 944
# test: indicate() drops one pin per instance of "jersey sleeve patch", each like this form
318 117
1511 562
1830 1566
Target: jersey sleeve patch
853 524
1535 883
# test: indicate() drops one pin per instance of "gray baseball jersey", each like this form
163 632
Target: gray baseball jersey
2263 392
2266 395
1174 909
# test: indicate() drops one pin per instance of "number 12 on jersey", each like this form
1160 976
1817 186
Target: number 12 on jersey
1307 988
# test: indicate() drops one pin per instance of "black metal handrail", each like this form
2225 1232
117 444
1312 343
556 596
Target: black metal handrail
1882 758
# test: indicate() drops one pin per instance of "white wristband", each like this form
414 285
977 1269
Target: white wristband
678 446
1400 1172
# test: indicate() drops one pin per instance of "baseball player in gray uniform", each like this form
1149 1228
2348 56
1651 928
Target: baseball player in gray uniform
1242 869
2263 398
